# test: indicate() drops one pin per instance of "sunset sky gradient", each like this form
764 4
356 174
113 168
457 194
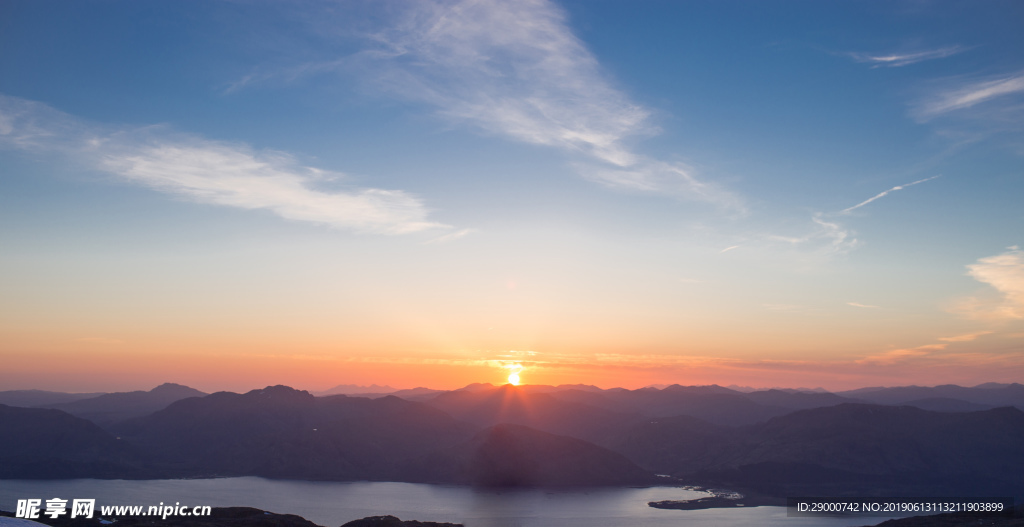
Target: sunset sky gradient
433 193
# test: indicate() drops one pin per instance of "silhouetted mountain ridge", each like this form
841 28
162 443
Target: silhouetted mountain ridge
542 411
113 407
281 432
37 398
354 389
991 394
565 435
512 455
859 448
38 443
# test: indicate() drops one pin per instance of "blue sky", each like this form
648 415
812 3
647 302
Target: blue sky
760 193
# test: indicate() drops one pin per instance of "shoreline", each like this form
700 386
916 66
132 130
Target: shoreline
717 499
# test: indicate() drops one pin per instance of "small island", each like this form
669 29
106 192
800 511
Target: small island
716 499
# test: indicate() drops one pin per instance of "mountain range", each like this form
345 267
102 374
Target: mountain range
33 398
113 407
772 442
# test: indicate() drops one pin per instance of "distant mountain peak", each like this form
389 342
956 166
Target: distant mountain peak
170 387
355 389
477 386
280 391
998 385
707 388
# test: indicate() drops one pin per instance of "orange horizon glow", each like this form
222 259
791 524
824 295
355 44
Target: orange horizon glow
77 348
126 371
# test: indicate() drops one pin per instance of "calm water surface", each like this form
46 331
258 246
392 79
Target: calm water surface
331 504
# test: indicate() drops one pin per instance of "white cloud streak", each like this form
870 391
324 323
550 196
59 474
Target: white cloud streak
841 238
895 60
857 304
658 176
211 172
516 69
901 355
965 337
884 194
512 68
971 94
837 238
1005 273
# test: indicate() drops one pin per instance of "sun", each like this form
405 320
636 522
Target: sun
513 379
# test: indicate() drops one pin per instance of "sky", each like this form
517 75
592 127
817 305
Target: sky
234 194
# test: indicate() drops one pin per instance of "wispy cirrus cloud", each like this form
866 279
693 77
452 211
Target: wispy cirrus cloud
515 70
901 355
961 95
1005 273
884 194
512 68
841 239
967 337
212 172
895 60
648 175
858 304
938 354
830 236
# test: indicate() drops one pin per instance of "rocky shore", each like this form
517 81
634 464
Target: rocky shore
717 499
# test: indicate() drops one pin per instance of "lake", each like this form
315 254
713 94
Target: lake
333 503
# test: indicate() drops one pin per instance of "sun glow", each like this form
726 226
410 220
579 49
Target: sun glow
513 379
